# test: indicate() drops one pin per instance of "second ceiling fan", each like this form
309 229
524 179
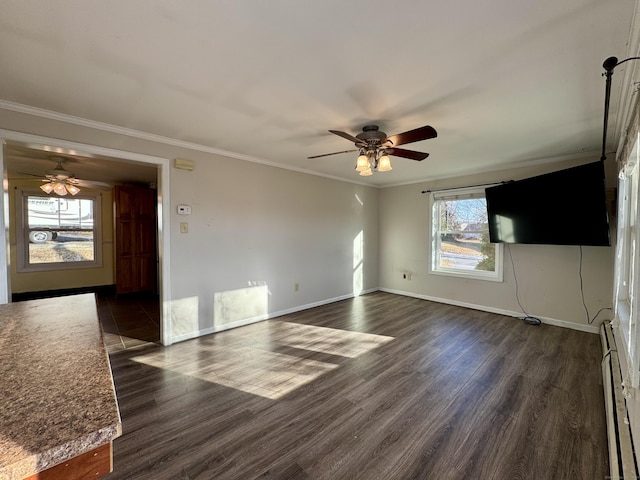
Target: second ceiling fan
375 146
61 181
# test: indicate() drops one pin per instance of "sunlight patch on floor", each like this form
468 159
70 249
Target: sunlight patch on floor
245 358
333 341
251 370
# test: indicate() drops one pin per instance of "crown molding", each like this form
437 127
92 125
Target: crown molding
590 156
151 137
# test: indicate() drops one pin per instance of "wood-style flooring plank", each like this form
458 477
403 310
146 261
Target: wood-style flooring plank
379 387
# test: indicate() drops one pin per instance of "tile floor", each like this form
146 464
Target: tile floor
129 321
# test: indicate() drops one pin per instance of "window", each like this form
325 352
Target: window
627 261
460 240
55 233
627 233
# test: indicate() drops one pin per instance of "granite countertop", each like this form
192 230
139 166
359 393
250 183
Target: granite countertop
57 398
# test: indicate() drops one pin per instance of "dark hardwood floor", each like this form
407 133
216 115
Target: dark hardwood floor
129 320
379 387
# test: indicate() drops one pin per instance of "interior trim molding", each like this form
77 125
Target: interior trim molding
549 321
163 226
589 156
268 316
152 137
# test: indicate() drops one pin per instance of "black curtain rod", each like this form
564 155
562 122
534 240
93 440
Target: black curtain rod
468 186
608 65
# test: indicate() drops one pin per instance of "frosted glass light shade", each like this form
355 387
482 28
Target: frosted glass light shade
46 188
60 189
362 163
366 173
72 189
384 164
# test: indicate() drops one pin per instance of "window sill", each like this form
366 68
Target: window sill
489 276
57 267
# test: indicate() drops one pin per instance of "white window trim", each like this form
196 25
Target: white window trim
627 264
460 193
22 237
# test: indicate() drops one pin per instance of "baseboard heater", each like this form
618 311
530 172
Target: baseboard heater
622 459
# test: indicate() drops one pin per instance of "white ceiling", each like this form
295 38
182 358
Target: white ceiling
503 82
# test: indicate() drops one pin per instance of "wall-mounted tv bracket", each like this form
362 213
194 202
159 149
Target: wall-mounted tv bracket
608 65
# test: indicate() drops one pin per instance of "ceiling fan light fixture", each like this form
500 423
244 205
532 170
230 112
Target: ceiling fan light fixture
60 189
47 187
362 163
366 173
72 189
59 180
384 163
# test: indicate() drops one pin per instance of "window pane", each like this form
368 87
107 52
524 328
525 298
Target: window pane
467 252
468 215
60 230
73 246
59 213
464 239
461 239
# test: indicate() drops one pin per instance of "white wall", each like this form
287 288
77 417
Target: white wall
547 276
254 233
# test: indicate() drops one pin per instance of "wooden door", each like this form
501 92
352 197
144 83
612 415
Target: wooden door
135 236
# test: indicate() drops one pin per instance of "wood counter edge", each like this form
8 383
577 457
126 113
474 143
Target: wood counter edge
95 463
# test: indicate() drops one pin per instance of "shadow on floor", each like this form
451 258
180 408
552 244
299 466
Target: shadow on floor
128 320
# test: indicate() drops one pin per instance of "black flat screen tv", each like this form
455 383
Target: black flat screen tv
566 207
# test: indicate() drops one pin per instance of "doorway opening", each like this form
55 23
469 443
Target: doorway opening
130 317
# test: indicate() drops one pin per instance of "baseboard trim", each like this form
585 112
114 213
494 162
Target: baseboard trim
21 297
509 313
261 318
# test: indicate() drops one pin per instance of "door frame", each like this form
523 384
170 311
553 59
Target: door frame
163 218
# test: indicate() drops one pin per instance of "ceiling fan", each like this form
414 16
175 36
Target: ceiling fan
375 146
60 181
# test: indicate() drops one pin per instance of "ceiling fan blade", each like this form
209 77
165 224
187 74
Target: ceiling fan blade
411 154
72 179
93 184
349 137
334 153
422 133
30 174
